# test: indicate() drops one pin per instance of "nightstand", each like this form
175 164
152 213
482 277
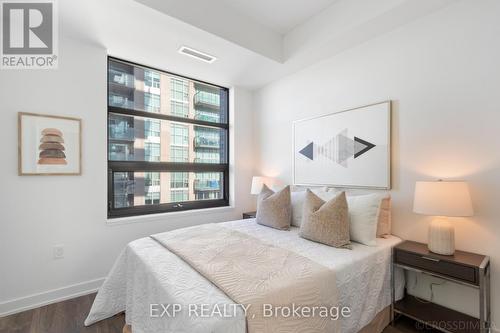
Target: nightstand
464 268
249 215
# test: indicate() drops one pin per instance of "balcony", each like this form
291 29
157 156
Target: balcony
121 78
121 102
201 142
205 117
126 134
207 160
207 185
121 156
207 100
124 186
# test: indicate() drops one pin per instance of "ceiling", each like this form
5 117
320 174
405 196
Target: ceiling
250 53
280 16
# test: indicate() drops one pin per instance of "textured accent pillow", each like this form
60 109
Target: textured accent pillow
274 209
326 222
384 217
298 198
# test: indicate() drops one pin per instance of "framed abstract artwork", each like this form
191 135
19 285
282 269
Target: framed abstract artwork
350 148
49 145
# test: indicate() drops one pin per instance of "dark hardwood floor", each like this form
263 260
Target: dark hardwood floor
406 325
68 317
62 317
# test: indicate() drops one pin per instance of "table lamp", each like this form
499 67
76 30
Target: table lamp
442 199
257 184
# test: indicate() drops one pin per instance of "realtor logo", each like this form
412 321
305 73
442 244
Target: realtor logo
29 34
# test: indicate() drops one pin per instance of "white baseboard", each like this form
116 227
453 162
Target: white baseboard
48 297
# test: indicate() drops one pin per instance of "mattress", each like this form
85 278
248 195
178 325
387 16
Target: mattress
147 276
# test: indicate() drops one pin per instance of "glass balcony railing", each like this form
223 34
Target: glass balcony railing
207 185
207 160
121 102
121 134
201 142
205 117
207 99
124 79
121 156
124 186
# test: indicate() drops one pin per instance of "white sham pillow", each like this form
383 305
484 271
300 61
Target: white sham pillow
384 212
363 217
298 198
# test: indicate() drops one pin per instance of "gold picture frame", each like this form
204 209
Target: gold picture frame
49 145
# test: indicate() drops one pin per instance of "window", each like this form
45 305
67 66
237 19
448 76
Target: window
179 96
152 128
163 154
179 109
178 196
179 180
152 179
151 102
179 135
179 90
179 154
151 79
207 156
152 152
152 198
124 187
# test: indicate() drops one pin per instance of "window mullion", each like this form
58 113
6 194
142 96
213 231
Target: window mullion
156 115
129 166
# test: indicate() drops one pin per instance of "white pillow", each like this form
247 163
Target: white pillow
363 216
298 198
325 194
384 211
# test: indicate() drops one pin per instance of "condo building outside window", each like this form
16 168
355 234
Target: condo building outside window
167 141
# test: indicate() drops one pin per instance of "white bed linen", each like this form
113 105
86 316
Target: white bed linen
147 273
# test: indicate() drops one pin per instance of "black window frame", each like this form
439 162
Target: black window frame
145 166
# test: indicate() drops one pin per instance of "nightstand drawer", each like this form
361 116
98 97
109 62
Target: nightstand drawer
436 265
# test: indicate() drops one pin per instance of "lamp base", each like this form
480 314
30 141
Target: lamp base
441 237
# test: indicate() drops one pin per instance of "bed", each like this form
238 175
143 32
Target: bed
147 275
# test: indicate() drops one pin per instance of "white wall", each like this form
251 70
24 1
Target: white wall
38 212
442 72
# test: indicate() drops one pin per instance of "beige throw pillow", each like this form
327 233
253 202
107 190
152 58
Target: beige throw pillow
326 222
298 198
274 209
384 218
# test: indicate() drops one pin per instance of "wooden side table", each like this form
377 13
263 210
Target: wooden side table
465 268
249 215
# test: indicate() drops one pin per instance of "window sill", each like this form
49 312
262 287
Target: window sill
160 216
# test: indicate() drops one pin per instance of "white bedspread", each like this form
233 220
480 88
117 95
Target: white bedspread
146 273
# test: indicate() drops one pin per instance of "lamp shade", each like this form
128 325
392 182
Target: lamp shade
442 198
257 184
